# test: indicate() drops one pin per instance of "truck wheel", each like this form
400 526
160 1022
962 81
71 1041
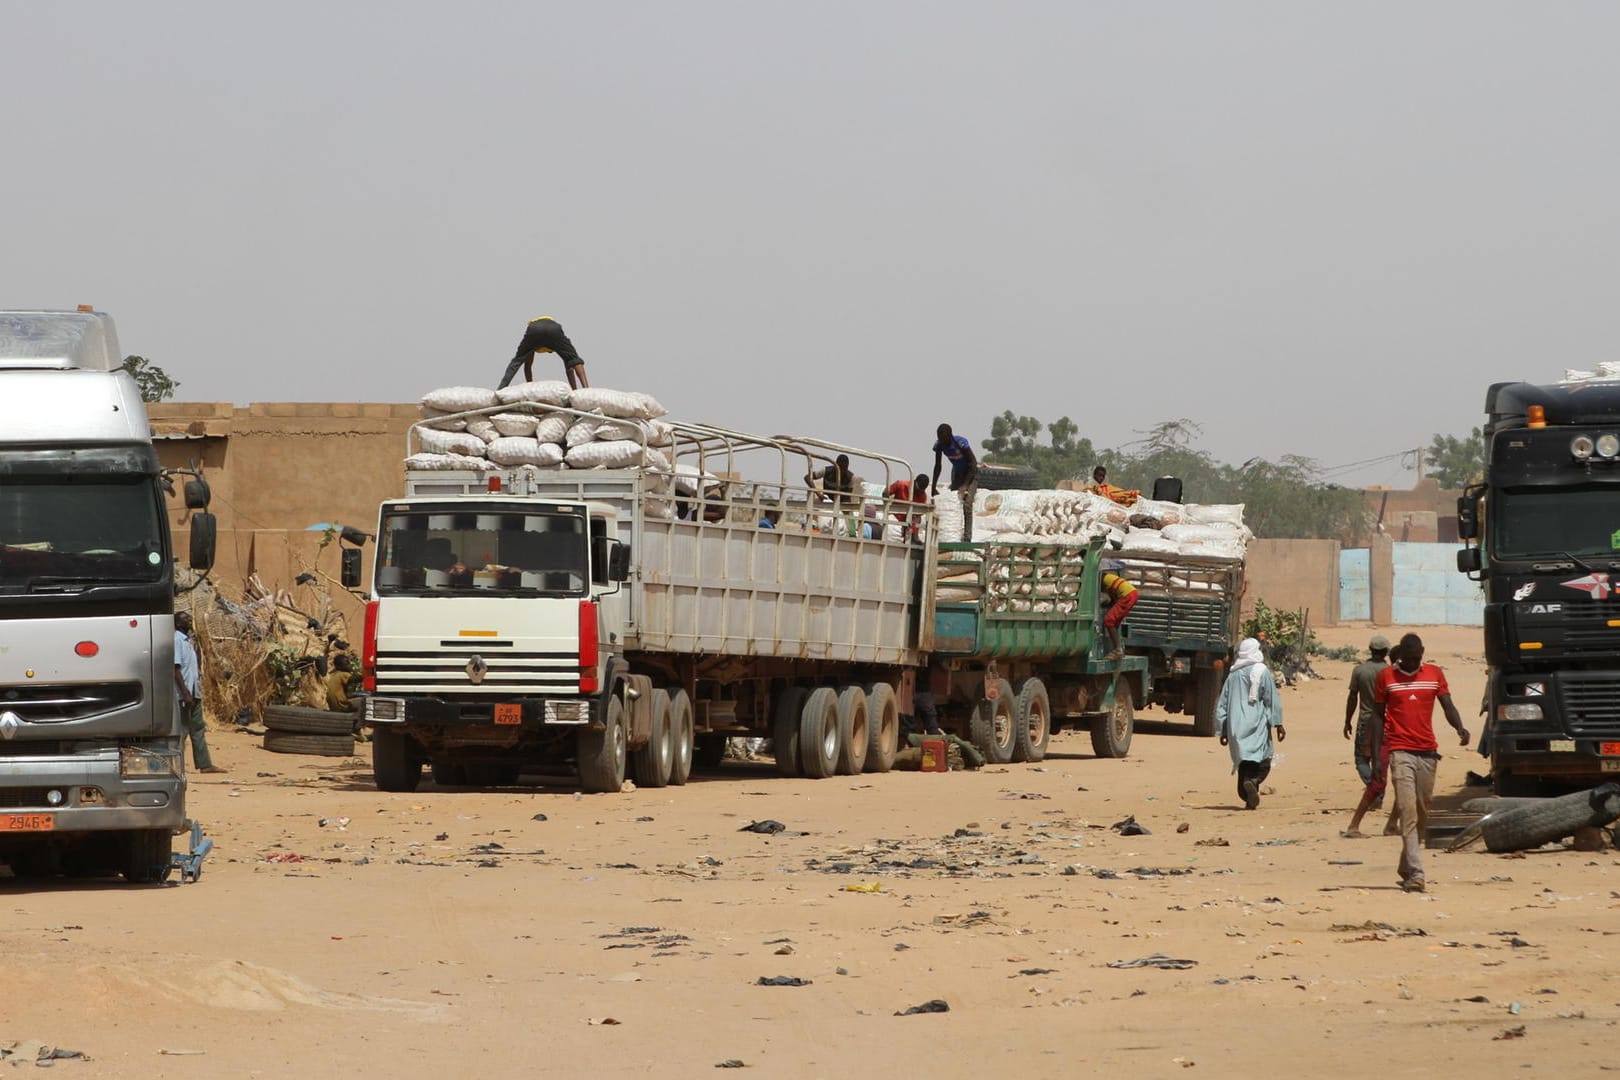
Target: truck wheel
1206 696
883 721
785 728
1033 716
285 742
993 727
853 731
818 733
447 773
602 753
393 761
652 761
147 855
680 738
302 721
709 751
1111 734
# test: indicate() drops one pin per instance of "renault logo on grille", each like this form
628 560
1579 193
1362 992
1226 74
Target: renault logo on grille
9 723
476 670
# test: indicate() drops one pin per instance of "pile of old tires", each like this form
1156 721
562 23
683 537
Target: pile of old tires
293 729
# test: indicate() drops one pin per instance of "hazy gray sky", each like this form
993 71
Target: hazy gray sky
1312 228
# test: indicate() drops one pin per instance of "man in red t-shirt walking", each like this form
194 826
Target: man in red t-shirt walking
1406 692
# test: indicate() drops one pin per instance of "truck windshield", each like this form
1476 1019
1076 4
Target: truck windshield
430 552
1554 522
57 536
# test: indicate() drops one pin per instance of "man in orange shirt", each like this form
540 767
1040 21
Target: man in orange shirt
1406 693
907 491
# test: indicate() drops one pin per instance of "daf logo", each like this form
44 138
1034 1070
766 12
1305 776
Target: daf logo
9 723
1546 609
476 670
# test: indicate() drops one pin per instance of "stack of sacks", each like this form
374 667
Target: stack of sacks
1609 369
610 438
1013 518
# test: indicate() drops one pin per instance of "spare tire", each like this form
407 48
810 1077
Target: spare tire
1008 477
283 742
302 721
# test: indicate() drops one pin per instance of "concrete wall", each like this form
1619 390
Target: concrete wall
1293 575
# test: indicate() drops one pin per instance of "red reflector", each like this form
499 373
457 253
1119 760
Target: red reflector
87 648
368 650
495 483
589 679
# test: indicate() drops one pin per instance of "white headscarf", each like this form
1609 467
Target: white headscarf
1249 656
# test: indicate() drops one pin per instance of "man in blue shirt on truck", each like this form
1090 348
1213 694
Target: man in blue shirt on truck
964 472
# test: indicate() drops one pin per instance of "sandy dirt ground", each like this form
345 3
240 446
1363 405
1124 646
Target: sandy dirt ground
459 933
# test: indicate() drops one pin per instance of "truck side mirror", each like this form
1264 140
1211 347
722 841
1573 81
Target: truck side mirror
349 573
1467 518
203 530
1468 560
619 561
197 494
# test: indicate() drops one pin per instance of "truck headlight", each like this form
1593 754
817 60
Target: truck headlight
138 761
1608 445
1580 447
1518 712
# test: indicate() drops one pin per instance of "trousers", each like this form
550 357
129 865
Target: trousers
1412 776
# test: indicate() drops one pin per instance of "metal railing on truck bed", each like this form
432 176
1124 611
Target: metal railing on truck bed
1025 600
1187 602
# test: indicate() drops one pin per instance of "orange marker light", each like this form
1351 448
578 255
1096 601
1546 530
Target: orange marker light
87 648
1537 415
495 484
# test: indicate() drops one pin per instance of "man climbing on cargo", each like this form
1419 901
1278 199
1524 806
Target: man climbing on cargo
1122 597
964 472
545 334
1407 692
835 483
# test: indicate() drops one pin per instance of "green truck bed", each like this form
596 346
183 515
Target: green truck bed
1187 603
1031 601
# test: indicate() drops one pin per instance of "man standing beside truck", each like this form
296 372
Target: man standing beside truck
964 472
188 693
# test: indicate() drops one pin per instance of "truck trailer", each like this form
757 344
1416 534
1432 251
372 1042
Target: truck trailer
623 623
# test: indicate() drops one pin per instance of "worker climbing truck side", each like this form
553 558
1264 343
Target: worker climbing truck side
92 776
1546 526
1018 651
625 621
1185 624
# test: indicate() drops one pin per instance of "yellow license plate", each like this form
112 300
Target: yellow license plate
46 822
1609 766
509 714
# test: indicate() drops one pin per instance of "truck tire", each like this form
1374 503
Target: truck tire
1008 477
1032 717
1111 734
147 856
285 742
994 728
1527 827
602 755
818 733
394 763
785 718
680 738
1206 696
302 721
448 773
854 732
652 762
883 721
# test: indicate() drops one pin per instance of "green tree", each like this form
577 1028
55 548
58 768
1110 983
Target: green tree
1016 440
153 382
1457 462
